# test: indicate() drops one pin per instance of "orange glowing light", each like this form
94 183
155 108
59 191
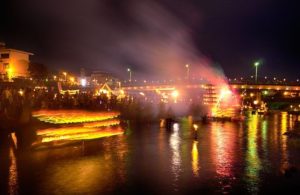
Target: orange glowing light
195 126
75 133
73 116
106 123
85 125
175 94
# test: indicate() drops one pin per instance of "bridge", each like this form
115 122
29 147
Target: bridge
234 86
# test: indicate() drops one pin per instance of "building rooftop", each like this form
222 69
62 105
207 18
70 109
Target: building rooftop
3 48
14 50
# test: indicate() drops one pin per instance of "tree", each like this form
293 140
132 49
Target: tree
38 71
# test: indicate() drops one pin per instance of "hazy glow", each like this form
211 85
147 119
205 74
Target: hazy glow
224 93
10 73
175 94
176 127
83 82
195 126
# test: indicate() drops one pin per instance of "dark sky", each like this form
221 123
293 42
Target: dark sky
113 35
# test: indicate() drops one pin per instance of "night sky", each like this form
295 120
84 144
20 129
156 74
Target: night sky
112 35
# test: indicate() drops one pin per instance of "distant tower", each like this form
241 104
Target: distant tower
82 72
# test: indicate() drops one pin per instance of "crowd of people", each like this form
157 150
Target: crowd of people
18 104
15 111
45 99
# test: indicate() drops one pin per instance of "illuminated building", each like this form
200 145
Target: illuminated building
13 63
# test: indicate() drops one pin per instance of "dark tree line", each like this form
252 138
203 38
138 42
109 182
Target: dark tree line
38 71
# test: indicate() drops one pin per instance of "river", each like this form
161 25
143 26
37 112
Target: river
249 157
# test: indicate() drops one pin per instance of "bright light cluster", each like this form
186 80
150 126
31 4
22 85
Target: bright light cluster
74 116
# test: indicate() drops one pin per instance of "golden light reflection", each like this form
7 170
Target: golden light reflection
88 125
106 123
13 173
284 160
120 152
264 134
291 121
73 116
75 133
253 162
195 159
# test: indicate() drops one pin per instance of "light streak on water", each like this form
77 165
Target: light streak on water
222 146
253 162
284 122
176 158
13 173
195 159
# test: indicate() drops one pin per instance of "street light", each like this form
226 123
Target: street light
256 64
128 70
187 71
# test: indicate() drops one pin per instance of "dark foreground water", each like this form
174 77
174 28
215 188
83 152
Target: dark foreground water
251 157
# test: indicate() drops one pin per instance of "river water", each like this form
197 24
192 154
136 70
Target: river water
249 157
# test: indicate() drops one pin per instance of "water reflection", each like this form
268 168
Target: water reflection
264 134
253 162
120 155
176 158
195 159
222 148
13 173
284 160
84 168
158 161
